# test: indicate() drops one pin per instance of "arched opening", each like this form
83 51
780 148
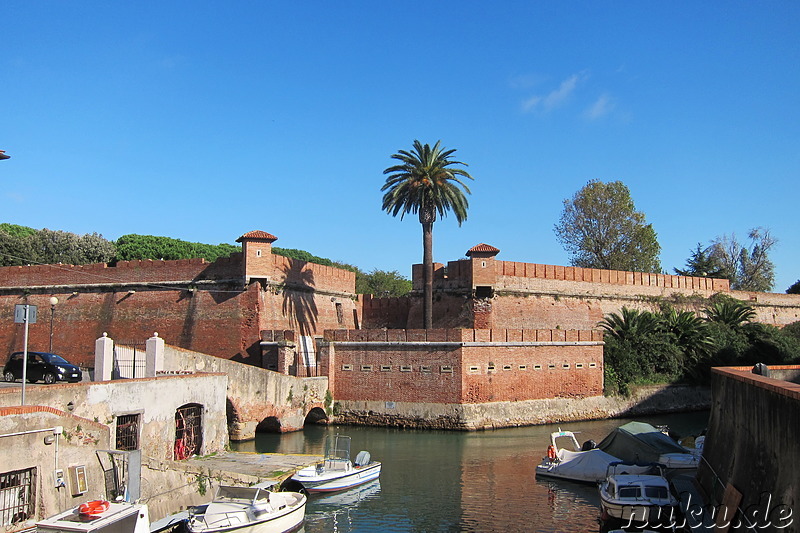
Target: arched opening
188 431
271 424
316 416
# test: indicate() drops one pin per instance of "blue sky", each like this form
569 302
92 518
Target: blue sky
204 120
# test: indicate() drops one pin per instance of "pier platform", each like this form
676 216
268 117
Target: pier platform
267 466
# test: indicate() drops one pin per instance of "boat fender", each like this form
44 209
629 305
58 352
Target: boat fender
551 452
94 507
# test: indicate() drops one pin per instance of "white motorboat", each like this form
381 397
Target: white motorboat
336 471
588 465
637 498
99 516
248 510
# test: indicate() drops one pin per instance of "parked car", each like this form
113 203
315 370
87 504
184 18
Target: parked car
47 367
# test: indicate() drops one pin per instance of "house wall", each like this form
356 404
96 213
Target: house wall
156 399
76 446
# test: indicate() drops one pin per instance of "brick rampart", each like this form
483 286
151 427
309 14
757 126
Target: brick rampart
195 304
458 366
486 293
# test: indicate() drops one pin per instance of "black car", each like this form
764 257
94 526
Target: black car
47 367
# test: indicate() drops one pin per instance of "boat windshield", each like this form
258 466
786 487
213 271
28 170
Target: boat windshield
249 494
659 493
630 492
337 447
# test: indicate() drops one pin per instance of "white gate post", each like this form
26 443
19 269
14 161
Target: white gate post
155 356
103 358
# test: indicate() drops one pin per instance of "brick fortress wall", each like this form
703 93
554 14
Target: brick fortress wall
484 293
192 304
456 366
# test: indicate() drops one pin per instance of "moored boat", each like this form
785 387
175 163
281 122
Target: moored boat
582 464
637 498
336 471
248 510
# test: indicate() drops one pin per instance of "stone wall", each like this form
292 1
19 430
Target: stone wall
256 398
752 442
643 400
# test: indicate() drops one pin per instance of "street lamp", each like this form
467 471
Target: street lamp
3 155
53 302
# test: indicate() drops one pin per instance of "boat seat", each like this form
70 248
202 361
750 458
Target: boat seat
362 458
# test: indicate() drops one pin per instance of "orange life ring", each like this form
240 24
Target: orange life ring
94 507
551 452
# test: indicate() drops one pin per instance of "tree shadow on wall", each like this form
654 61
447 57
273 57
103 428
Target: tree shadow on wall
298 297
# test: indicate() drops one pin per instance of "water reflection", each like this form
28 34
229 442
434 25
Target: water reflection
439 481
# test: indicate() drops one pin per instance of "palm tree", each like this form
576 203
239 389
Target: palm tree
731 312
426 183
630 324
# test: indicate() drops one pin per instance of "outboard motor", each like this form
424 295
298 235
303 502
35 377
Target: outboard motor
761 369
362 459
588 445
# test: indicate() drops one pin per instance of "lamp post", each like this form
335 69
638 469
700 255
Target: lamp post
3 155
53 302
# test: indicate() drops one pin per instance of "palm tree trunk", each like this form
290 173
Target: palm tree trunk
427 277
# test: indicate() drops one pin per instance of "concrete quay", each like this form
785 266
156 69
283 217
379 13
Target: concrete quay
274 467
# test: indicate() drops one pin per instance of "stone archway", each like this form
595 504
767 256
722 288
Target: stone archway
316 416
271 424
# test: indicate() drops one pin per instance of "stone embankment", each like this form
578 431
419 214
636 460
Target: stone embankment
644 400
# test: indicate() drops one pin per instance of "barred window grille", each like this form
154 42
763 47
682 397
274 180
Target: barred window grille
128 432
188 431
17 501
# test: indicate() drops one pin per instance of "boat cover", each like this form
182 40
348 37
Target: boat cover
639 442
589 466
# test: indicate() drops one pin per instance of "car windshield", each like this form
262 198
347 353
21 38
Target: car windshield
54 359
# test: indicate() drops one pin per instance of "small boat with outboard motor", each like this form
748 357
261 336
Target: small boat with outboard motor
336 471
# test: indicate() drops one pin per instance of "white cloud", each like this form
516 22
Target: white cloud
600 108
556 97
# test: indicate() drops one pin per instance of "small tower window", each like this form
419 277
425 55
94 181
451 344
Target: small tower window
258 253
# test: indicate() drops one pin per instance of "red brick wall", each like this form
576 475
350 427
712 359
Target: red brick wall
406 380
468 273
222 318
312 275
475 366
389 313
124 272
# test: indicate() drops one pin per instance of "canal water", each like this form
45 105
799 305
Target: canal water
442 481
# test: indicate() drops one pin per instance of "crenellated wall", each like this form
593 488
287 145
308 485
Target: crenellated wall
486 293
